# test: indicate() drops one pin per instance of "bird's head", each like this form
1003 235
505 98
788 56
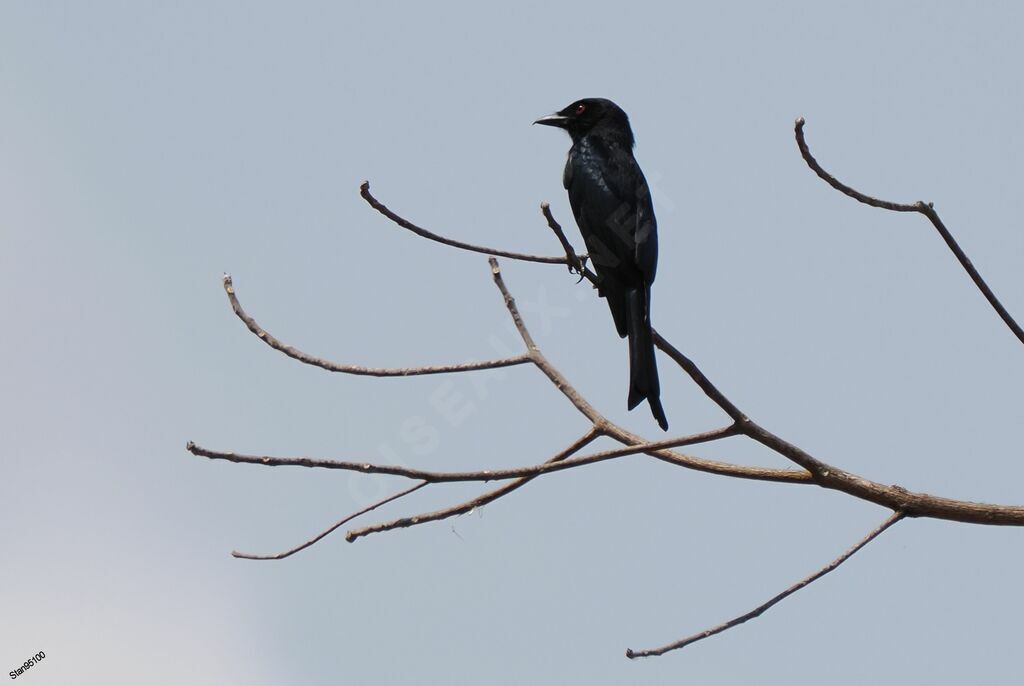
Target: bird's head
583 116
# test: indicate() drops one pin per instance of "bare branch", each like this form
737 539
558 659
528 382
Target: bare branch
364 190
477 475
745 425
924 208
510 304
560 382
933 216
358 370
805 152
470 505
760 609
577 263
710 390
893 497
331 529
702 464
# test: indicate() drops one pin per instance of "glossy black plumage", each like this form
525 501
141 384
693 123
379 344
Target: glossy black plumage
612 205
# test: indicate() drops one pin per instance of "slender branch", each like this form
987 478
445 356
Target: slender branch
510 304
805 152
760 609
702 464
477 475
364 190
921 207
896 498
577 263
710 390
965 262
358 370
820 470
329 530
746 426
560 382
470 505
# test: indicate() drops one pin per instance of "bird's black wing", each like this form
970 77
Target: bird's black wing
612 206
646 237
599 211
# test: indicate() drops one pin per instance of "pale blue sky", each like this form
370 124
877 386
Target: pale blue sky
145 148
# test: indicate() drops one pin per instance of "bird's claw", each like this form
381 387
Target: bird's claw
578 265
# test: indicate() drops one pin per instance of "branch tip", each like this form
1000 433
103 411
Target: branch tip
359 370
331 529
760 609
921 207
364 191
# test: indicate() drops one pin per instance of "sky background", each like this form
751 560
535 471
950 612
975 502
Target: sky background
146 148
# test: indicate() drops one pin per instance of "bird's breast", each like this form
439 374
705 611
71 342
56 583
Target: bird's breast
587 167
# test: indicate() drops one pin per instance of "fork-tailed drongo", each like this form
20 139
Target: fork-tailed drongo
612 205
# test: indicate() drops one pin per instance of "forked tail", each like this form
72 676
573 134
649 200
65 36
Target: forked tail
643 368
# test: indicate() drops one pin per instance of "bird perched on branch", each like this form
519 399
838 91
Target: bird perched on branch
612 205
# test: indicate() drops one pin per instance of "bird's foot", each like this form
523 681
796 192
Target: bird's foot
579 266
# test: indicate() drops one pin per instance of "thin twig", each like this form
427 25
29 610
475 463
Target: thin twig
364 190
933 216
487 474
921 207
760 609
560 382
710 390
805 152
358 370
470 505
577 263
329 530
745 425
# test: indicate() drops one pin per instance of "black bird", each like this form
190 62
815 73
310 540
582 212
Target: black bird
612 205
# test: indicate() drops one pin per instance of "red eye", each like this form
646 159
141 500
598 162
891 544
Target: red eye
581 108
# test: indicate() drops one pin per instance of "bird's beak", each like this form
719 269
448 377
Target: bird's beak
559 120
